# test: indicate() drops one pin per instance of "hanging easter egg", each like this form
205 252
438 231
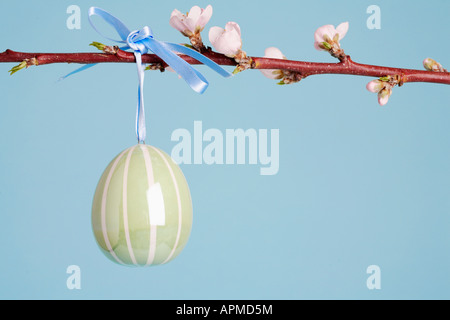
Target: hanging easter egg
142 208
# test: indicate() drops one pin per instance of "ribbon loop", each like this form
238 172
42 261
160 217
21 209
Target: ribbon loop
141 42
121 29
136 39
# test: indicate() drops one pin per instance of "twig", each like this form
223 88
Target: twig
306 69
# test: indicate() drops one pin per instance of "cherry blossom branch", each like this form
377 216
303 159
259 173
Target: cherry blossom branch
228 44
347 66
120 56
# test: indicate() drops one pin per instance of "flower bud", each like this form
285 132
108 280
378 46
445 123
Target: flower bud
273 53
327 36
375 86
432 65
226 41
383 96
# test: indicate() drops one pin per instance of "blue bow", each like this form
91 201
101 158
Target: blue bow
141 42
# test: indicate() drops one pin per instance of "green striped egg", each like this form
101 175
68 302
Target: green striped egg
142 208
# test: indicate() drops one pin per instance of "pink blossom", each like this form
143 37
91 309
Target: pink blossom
226 41
330 35
273 53
192 22
383 88
375 86
383 96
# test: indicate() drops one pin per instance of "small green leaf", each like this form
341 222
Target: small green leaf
20 66
326 45
98 45
281 82
236 71
188 46
385 79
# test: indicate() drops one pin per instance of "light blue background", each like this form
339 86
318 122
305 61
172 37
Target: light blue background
359 184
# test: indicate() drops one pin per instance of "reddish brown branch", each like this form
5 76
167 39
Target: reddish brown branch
89 57
352 68
305 68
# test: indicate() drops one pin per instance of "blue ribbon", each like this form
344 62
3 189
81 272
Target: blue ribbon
142 42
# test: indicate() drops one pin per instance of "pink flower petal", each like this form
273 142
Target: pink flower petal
226 41
177 13
195 13
342 30
375 86
176 21
383 100
383 96
274 53
204 17
271 73
324 30
192 18
230 43
233 25
214 34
